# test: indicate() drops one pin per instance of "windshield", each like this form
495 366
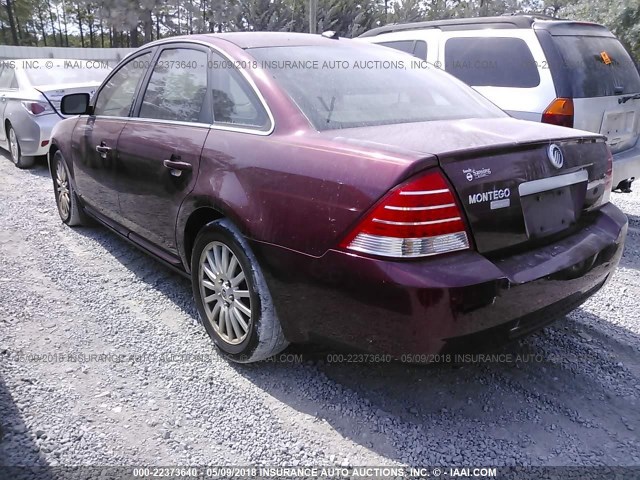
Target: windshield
59 74
597 66
355 85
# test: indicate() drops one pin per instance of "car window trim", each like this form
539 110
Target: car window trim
142 88
168 122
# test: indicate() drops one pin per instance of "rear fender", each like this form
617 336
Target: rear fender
188 207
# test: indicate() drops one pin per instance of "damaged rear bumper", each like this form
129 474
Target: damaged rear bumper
439 304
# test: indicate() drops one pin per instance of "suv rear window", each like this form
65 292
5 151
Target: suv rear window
596 66
496 62
417 48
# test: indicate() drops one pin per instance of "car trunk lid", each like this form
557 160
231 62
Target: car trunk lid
528 193
503 172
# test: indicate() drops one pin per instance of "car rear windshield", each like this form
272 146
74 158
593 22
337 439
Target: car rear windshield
354 84
59 74
596 66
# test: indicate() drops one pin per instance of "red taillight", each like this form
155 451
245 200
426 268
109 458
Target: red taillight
559 112
416 219
35 108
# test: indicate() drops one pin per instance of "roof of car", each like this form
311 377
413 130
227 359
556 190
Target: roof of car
505 21
258 39
274 39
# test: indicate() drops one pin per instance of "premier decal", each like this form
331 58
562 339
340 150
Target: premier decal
491 195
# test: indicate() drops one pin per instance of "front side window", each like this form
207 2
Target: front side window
177 87
491 62
234 101
116 97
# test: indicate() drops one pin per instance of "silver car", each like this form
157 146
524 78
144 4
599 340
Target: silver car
574 74
30 94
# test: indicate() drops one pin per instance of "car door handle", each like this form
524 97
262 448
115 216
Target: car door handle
177 167
103 150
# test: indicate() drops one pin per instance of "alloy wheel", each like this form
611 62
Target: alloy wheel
225 293
13 145
62 188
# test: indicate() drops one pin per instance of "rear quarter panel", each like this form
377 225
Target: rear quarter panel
288 191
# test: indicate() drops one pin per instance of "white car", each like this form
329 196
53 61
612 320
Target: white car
30 94
574 74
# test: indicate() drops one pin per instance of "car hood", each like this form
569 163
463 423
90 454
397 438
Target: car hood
447 137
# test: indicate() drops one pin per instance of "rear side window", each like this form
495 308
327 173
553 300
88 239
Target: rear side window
595 66
495 62
177 87
417 48
420 50
234 101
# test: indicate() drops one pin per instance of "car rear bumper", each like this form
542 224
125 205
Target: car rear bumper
438 304
626 165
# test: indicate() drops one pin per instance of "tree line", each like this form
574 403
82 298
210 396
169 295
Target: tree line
129 23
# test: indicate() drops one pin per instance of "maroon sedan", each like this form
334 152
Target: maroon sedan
319 189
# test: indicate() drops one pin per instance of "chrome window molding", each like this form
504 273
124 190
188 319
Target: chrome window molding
245 75
168 122
179 122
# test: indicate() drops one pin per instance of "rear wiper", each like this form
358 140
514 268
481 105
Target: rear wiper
629 97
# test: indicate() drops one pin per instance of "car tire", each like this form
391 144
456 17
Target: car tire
15 151
232 295
66 199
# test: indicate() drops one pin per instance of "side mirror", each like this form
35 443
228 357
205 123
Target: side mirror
75 104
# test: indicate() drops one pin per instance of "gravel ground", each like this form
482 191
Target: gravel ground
142 400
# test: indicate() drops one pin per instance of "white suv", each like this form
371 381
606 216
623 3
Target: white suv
574 74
